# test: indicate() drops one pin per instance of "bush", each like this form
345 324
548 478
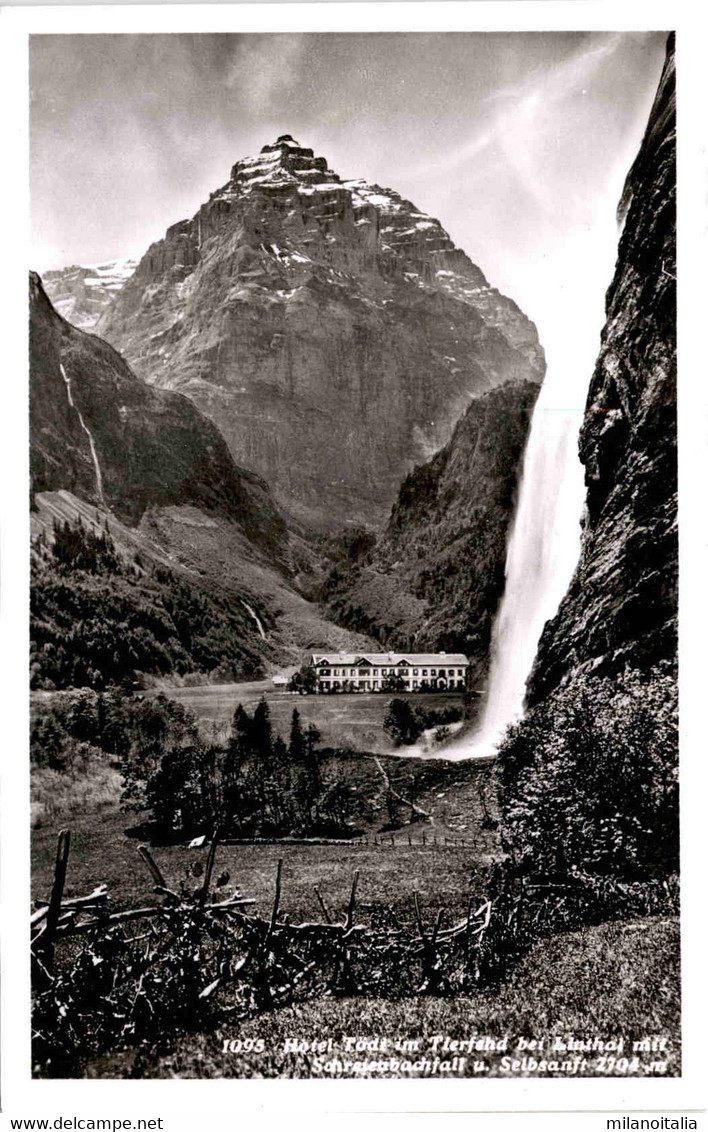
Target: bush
405 724
254 784
589 779
402 723
304 681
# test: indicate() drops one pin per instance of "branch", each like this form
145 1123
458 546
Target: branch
406 801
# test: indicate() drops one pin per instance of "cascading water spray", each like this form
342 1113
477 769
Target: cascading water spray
545 538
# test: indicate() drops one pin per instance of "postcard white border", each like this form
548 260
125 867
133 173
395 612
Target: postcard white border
309 1103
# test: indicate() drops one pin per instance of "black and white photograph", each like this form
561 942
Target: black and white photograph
353 733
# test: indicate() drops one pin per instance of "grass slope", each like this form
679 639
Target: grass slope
101 852
211 556
618 980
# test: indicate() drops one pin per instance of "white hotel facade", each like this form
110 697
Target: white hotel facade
370 672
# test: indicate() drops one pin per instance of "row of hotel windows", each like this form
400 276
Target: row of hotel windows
386 671
334 685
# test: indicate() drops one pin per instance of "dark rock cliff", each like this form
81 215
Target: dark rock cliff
622 604
100 433
331 330
434 578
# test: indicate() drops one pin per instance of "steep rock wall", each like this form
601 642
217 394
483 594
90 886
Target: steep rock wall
100 433
622 604
331 330
435 576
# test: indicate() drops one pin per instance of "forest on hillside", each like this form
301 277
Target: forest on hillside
98 619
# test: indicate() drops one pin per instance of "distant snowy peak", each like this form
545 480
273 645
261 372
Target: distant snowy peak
81 293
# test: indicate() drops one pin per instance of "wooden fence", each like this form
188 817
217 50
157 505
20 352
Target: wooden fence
384 840
201 949
104 979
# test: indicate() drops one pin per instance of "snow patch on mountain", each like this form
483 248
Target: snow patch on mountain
81 293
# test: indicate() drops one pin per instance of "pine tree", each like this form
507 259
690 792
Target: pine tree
241 733
297 740
262 730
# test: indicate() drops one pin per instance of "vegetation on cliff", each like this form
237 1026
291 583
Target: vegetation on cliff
588 780
98 619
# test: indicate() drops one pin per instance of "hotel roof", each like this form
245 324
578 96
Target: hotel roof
391 659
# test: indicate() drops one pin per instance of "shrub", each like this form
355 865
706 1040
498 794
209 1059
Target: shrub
304 681
589 779
402 723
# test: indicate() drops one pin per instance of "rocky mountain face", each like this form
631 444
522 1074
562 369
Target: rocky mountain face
81 294
435 576
330 329
206 569
100 433
622 604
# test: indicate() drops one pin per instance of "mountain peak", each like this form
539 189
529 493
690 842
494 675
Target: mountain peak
284 140
330 328
284 162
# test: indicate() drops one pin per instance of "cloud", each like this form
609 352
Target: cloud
264 68
520 121
533 123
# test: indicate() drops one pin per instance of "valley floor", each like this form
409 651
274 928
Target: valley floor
354 721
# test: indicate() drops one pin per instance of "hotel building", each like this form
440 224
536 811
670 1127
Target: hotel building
374 672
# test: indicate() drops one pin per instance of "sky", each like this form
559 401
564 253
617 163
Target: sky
516 142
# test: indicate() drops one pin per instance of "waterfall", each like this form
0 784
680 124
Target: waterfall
255 617
544 542
92 446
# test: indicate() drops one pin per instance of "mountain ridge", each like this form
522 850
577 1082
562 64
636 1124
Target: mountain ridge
330 329
100 432
190 537
434 577
80 293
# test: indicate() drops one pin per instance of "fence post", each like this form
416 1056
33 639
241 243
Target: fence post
467 979
322 905
209 867
276 904
53 912
352 898
417 914
152 865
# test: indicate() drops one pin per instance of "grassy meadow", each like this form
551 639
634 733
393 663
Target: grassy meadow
354 721
442 874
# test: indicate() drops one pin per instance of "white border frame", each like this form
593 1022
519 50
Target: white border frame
184 1104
